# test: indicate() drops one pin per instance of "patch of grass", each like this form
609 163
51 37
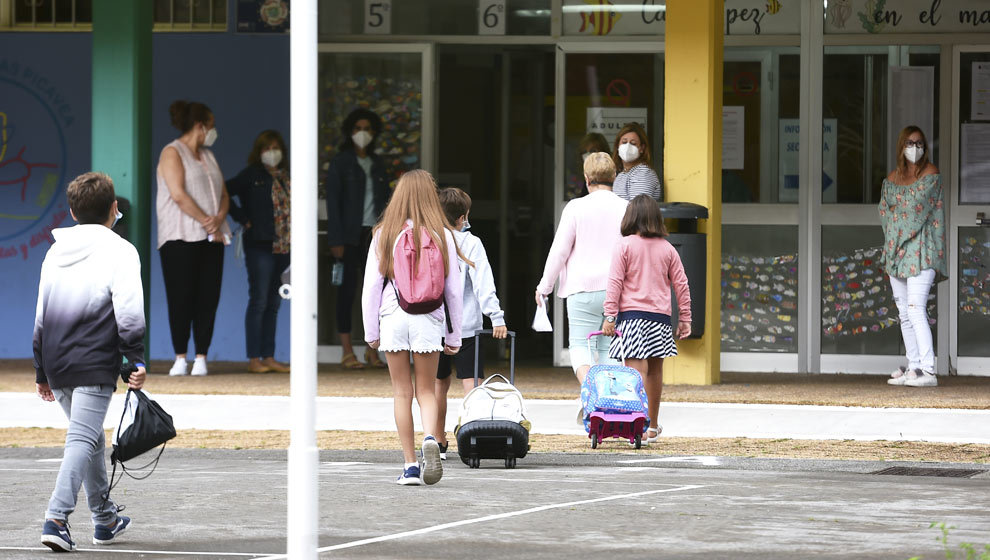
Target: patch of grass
966 550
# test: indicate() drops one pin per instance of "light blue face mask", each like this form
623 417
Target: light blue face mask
466 226
116 219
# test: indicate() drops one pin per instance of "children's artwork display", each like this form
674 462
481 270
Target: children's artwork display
974 277
759 296
398 102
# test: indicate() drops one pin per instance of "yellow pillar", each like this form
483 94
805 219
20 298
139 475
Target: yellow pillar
692 167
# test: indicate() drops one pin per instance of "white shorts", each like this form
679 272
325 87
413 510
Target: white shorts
402 332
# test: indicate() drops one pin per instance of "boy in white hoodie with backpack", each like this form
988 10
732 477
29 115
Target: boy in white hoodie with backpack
90 314
480 299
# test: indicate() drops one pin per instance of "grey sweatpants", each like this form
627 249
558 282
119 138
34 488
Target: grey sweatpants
83 461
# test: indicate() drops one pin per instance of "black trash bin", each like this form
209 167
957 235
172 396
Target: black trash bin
692 247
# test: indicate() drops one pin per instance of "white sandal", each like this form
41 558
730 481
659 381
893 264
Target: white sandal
653 438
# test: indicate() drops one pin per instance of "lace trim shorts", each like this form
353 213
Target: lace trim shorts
402 332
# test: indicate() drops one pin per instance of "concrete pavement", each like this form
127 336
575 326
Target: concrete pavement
240 412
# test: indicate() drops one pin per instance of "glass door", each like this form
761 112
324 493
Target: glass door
395 81
600 88
969 216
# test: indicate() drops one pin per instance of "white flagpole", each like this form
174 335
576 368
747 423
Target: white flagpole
303 495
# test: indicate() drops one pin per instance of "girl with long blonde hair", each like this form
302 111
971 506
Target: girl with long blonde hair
390 329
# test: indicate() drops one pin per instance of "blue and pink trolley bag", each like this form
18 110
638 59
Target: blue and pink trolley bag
614 401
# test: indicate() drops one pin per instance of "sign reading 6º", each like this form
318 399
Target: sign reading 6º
491 17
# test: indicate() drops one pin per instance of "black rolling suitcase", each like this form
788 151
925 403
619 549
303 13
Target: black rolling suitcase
492 423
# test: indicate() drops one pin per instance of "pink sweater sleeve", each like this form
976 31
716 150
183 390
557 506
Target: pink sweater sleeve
563 243
453 292
371 294
616 276
679 281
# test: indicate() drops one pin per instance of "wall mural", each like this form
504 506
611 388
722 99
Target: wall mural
399 103
33 154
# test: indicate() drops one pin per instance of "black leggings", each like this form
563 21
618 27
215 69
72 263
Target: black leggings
193 272
355 258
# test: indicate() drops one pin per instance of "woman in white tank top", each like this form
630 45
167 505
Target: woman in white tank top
191 204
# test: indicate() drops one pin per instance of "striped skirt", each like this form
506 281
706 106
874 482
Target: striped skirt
641 339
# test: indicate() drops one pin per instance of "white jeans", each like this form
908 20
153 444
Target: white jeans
911 297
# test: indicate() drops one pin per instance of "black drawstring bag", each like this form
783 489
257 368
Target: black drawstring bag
149 427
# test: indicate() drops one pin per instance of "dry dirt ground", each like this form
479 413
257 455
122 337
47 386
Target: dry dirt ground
735 447
559 383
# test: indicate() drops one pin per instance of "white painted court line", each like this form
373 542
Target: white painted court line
706 460
126 551
494 517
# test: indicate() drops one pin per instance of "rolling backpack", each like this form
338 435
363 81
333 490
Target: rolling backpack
492 423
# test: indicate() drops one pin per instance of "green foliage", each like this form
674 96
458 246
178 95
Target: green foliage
967 551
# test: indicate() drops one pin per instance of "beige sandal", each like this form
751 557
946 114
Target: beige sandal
372 359
350 361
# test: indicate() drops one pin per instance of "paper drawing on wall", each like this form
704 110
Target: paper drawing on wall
839 12
599 19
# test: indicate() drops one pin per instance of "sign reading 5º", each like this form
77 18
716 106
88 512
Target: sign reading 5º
378 17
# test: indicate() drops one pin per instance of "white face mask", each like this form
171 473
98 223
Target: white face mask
466 225
116 218
211 137
271 158
584 156
361 139
913 153
628 152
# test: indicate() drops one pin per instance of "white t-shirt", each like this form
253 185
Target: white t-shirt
369 192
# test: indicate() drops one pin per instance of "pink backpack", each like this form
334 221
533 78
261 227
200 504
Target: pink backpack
418 289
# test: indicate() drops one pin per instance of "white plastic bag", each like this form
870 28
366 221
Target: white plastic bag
541 322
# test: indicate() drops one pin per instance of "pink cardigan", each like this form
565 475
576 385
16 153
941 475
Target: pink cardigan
377 302
643 270
583 245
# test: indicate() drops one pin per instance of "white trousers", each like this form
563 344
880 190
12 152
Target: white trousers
911 297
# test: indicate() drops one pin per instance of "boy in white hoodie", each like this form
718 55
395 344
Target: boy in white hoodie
90 314
480 299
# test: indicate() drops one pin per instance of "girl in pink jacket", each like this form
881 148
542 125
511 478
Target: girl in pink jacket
637 299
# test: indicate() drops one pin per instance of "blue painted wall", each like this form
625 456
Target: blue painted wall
45 91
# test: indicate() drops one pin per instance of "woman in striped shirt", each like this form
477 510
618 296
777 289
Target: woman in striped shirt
635 174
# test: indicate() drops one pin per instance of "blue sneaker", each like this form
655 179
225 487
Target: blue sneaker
106 535
56 537
432 464
409 477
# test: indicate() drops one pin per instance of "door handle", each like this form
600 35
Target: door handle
982 220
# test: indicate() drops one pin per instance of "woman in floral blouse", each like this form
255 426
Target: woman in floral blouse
913 217
261 191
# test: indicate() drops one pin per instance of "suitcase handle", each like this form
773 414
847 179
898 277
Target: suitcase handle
593 334
512 354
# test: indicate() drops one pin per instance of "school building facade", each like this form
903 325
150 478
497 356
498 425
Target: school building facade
494 96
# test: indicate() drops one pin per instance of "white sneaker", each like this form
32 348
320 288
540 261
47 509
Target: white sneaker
901 375
199 366
179 367
922 379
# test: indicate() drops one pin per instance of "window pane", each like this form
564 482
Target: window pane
858 311
163 11
435 17
759 288
201 10
783 185
33 11
859 110
84 11
972 165
602 93
974 291
63 11
219 11
741 100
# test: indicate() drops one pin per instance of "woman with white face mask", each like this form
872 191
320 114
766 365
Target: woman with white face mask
192 205
912 213
261 206
634 171
357 191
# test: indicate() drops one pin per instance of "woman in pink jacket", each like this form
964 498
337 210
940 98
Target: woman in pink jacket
637 299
